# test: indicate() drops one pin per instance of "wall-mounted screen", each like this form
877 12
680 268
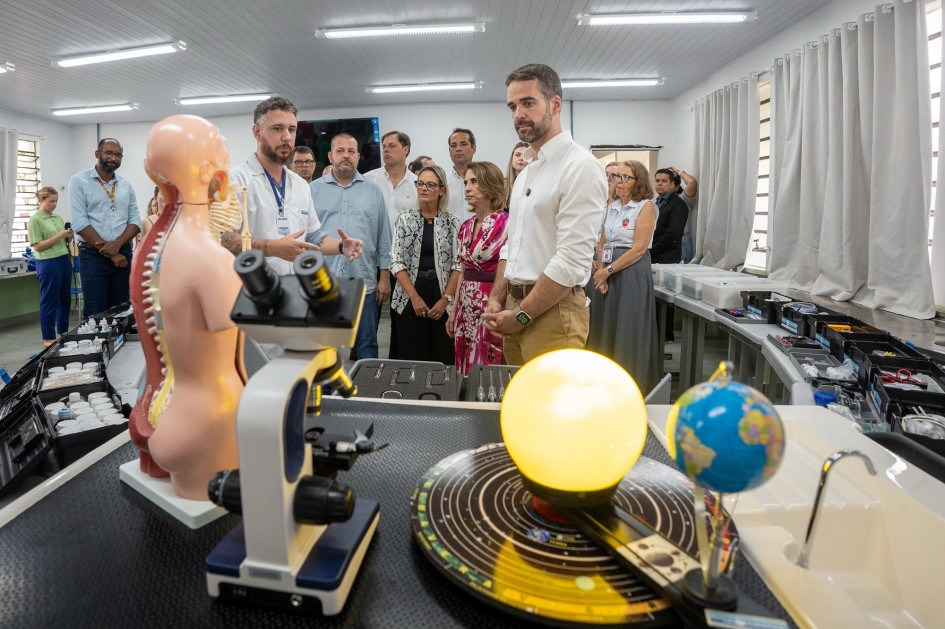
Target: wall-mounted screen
317 135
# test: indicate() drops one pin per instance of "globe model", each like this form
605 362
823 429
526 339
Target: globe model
725 436
574 423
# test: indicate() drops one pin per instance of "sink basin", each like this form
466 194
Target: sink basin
878 559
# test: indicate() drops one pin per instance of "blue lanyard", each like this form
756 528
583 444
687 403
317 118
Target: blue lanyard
622 212
278 191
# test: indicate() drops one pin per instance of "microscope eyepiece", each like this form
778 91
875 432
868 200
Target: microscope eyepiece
259 280
318 286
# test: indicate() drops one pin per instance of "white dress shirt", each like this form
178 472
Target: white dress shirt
555 215
263 210
403 197
457 187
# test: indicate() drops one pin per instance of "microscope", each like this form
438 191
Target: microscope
303 534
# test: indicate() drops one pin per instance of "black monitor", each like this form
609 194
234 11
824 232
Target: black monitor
317 135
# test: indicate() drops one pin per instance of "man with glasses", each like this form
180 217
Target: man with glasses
345 200
557 205
303 163
673 214
105 220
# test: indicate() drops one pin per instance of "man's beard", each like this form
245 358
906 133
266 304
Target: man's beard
345 169
537 130
105 166
270 152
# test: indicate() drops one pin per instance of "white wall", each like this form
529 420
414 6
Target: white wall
429 127
57 150
681 146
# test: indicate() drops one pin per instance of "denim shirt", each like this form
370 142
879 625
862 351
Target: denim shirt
360 210
405 253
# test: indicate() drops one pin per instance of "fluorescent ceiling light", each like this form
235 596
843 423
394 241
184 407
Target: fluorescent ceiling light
207 100
667 17
400 29
422 87
612 83
116 55
94 110
7 67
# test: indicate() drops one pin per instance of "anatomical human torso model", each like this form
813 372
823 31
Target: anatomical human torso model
183 287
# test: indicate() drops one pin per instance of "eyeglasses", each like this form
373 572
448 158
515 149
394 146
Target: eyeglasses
623 178
112 154
304 162
429 185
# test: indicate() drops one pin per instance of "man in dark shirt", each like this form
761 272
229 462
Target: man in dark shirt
673 213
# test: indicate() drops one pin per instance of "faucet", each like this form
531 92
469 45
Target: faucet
804 559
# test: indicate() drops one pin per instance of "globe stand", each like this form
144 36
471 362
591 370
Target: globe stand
724 596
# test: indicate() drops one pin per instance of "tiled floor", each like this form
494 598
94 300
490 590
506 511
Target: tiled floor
20 339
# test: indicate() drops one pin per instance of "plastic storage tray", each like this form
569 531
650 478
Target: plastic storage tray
764 303
690 284
69 448
865 359
796 322
672 278
832 338
727 293
406 380
488 381
882 395
821 359
24 441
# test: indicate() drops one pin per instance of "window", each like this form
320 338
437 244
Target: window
27 184
933 19
757 256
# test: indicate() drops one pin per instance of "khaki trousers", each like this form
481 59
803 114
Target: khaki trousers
564 325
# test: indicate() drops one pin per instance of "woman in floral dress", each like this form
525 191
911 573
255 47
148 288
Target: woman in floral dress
480 240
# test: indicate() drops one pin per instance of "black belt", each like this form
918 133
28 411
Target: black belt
427 275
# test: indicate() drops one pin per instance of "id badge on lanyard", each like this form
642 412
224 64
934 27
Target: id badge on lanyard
282 225
607 254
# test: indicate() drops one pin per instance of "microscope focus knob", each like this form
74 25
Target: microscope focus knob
321 500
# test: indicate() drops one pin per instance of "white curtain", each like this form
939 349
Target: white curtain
726 166
852 152
938 235
7 188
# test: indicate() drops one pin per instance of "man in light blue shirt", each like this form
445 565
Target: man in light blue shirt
105 220
345 200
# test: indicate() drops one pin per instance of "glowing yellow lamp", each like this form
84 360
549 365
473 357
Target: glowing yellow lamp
574 422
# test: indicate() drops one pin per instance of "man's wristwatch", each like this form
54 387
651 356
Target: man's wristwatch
610 269
341 247
521 316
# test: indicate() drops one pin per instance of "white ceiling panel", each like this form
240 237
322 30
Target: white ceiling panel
252 46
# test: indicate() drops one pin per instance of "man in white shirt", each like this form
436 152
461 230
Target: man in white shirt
462 144
282 219
398 184
557 205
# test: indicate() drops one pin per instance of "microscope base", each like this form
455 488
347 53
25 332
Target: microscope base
321 585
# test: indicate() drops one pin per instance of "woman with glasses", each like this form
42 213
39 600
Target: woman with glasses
480 240
424 261
623 306
517 164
